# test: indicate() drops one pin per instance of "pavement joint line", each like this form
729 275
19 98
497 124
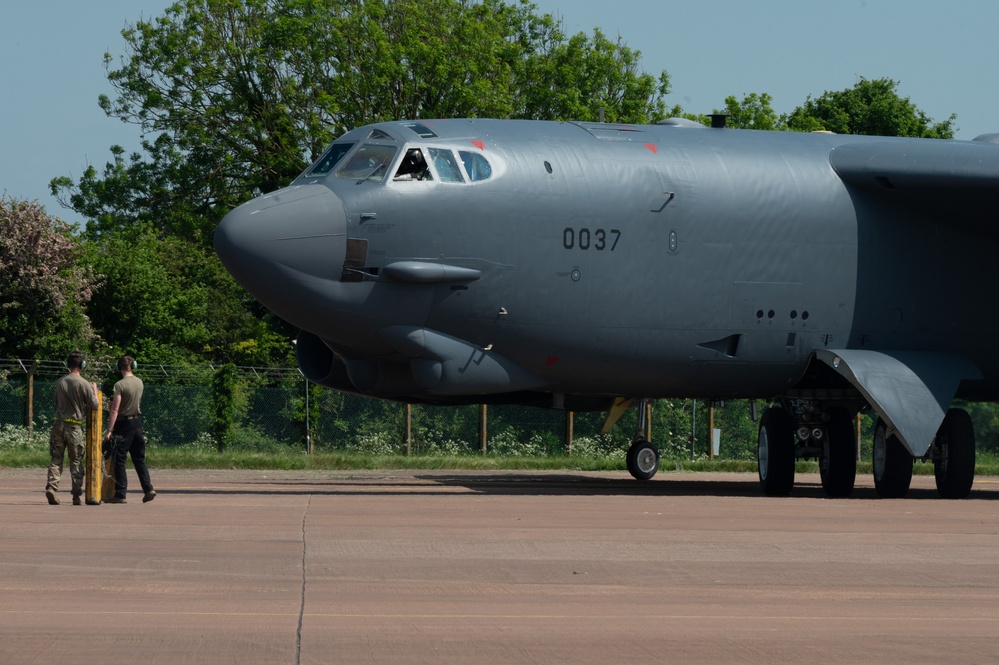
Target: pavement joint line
301 607
676 617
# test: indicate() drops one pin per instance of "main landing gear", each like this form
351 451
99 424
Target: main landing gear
952 454
892 464
775 452
804 430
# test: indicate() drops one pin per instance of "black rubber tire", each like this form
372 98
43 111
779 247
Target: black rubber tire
775 452
643 460
892 464
955 468
838 467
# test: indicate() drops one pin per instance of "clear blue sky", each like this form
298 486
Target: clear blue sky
943 54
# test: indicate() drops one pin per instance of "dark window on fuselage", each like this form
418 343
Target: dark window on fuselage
421 129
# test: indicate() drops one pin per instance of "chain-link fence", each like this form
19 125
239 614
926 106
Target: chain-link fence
273 411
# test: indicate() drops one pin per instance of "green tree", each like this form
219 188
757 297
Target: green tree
581 77
45 288
753 112
871 107
235 97
228 402
170 300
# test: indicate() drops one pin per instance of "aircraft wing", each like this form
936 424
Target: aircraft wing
952 182
910 390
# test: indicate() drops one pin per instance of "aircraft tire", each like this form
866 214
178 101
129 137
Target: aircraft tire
775 452
838 467
643 459
892 464
955 467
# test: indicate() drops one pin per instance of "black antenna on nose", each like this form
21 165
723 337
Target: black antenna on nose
718 120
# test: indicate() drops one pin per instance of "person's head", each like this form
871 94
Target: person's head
126 364
75 360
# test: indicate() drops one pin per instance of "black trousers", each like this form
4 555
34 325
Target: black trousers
129 440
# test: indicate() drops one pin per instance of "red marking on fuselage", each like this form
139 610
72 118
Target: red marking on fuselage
652 147
479 144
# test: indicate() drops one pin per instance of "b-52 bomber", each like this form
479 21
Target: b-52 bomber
572 265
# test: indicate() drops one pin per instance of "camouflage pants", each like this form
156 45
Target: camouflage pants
66 437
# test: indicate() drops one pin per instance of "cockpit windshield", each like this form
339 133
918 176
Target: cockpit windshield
370 162
329 160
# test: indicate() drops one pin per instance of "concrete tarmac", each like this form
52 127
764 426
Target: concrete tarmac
467 567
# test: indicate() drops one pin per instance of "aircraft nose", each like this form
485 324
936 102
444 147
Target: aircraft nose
278 243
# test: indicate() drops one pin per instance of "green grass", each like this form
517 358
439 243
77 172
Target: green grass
184 458
16 450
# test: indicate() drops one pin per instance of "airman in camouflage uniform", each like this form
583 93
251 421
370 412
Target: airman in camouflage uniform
73 396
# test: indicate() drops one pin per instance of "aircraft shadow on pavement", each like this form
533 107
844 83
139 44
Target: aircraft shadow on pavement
672 486
528 484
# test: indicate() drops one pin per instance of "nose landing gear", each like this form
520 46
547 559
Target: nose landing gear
642 457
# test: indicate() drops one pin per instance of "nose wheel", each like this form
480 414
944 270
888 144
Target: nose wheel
643 459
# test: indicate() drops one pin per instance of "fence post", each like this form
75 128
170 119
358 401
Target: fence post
31 398
858 436
308 433
568 431
482 427
711 429
409 429
693 426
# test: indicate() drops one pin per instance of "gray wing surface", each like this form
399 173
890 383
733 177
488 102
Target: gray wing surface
953 182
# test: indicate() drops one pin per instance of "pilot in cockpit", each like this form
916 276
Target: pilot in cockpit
413 167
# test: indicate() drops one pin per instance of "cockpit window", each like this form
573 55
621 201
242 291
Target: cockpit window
370 162
446 165
413 167
330 159
380 135
476 165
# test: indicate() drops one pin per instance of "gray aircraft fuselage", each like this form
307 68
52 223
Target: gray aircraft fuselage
576 262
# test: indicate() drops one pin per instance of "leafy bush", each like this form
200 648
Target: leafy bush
375 443
15 437
511 443
599 446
